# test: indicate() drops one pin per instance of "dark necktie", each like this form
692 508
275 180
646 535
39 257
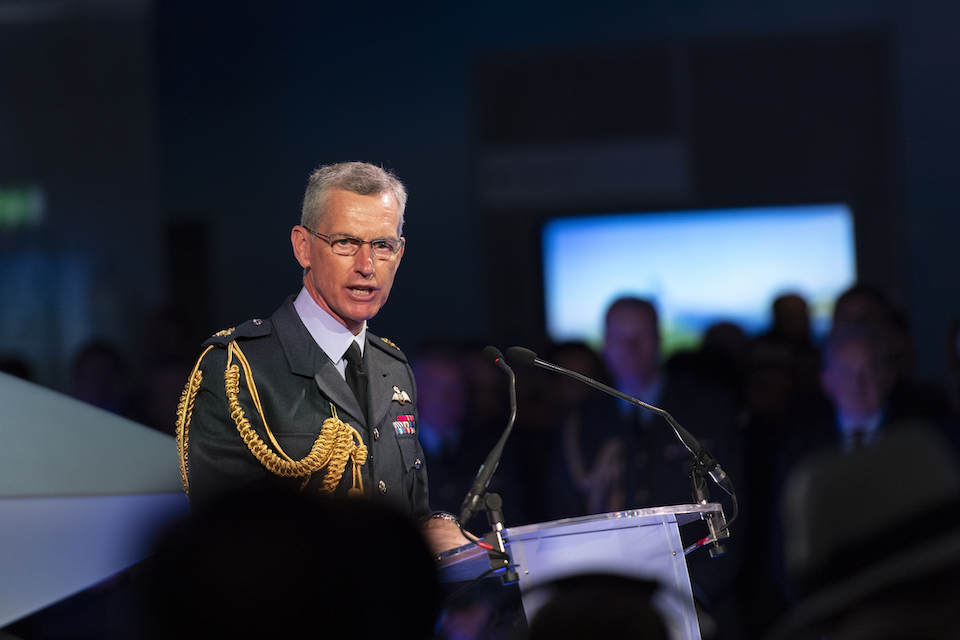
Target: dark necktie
357 376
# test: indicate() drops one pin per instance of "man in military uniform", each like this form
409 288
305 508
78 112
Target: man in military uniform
310 397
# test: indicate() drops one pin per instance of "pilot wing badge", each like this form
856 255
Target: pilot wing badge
400 396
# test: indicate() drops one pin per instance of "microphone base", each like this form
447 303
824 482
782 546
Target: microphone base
499 558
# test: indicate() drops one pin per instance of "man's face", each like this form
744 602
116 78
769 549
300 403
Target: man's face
351 288
857 384
631 344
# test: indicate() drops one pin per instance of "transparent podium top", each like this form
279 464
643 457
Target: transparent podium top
680 513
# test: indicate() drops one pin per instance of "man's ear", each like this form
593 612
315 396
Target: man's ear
300 239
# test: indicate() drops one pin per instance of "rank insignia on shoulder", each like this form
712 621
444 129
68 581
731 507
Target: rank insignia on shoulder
224 332
391 343
405 425
400 396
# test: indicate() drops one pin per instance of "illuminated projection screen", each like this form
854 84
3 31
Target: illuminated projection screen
698 266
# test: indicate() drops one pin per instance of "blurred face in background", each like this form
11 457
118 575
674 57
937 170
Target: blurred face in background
631 344
856 380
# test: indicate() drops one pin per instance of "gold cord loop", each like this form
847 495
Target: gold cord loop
337 443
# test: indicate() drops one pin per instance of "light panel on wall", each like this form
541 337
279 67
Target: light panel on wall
21 206
698 266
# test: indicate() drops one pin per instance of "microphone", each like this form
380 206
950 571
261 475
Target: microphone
702 458
471 504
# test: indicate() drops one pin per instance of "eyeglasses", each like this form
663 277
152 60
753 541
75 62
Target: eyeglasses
384 248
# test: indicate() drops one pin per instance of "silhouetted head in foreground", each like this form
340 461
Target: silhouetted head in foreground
268 564
872 540
601 607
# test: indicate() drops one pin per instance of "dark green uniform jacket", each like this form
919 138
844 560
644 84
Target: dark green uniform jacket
298 389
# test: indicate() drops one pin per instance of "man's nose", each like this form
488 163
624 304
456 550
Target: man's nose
364 260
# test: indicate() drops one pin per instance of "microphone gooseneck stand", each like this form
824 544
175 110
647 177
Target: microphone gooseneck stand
478 498
704 464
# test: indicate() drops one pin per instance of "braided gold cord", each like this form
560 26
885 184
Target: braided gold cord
332 449
184 414
234 348
359 457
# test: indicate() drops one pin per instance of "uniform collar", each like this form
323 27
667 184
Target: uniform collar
331 336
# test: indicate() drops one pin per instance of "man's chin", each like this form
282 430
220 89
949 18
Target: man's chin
358 314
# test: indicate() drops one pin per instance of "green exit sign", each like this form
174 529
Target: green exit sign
21 206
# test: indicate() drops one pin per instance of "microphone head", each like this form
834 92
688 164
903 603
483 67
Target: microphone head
521 355
491 354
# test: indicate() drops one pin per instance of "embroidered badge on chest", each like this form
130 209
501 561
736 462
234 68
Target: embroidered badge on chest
400 396
405 425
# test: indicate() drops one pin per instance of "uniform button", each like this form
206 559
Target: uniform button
417 463
382 486
376 433
257 321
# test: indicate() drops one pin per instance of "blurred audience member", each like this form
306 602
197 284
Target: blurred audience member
859 304
784 361
863 304
854 414
629 458
791 318
564 392
858 375
638 451
727 338
782 374
873 541
574 461
720 360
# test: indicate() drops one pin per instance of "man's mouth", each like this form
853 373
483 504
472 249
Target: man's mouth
361 291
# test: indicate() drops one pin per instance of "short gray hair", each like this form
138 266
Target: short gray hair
361 178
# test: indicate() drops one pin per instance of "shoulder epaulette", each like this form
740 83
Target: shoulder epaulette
250 329
386 345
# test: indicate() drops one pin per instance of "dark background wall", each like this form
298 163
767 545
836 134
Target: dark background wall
208 116
78 127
